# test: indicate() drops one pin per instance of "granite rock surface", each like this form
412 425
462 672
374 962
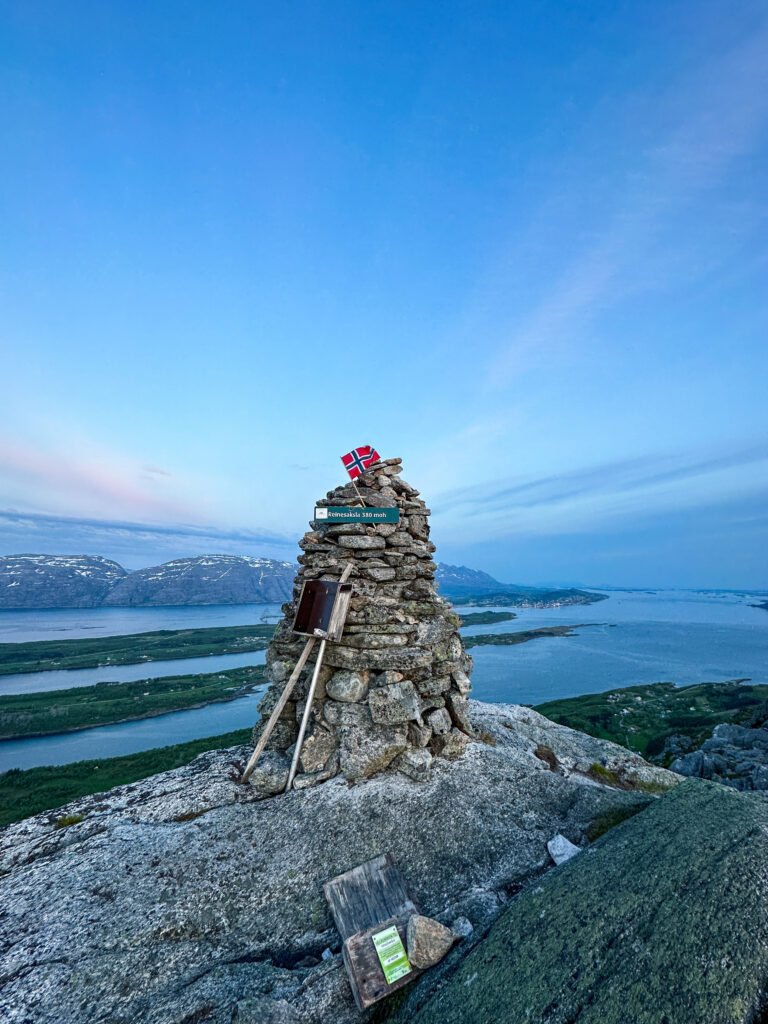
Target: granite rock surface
663 920
190 897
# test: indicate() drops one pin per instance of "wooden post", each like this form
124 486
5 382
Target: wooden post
267 731
359 495
278 709
305 717
310 696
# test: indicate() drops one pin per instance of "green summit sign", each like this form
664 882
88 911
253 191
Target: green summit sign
392 956
344 514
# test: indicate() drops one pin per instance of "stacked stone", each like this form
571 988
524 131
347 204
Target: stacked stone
393 692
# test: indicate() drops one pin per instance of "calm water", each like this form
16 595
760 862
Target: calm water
680 636
69 623
114 740
62 679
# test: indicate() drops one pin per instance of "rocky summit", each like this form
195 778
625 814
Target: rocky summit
664 920
187 898
394 690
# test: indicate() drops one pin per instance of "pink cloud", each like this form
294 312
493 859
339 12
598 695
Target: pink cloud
79 484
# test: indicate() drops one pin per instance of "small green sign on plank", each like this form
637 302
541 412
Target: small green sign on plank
344 514
392 956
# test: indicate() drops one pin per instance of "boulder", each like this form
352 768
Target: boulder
317 749
395 703
347 686
271 773
439 722
415 764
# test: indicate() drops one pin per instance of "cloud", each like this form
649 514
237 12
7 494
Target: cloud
594 498
724 544
610 477
38 522
58 477
722 113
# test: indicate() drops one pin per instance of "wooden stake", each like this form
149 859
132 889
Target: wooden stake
311 695
278 709
305 717
359 495
267 731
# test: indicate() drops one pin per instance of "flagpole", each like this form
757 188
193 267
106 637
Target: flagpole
359 495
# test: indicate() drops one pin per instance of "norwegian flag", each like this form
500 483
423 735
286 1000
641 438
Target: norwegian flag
359 459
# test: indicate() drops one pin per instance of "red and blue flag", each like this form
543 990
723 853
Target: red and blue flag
359 459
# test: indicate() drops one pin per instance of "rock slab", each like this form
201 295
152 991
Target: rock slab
188 897
663 919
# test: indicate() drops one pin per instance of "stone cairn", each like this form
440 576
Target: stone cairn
393 692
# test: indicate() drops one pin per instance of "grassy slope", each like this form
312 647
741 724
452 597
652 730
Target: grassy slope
641 717
23 793
55 711
161 645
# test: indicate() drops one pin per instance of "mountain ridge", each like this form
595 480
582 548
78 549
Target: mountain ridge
37 581
90 581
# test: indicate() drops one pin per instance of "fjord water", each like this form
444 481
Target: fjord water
71 623
634 638
63 679
129 737
681 636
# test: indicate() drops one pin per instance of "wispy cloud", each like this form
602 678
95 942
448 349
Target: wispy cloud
36 521
49 478
589 497
133 543
611 477
722 115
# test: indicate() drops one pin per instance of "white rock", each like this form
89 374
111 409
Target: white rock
561 849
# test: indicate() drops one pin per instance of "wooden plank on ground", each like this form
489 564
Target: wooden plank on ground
367 895
361 960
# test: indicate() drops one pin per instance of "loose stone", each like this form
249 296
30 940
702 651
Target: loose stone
347 686
427 941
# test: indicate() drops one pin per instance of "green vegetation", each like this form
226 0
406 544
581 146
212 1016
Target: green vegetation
600 773
485 618
507 639
82 707
23 793
106 651
69 819
610 819
642 717
527 597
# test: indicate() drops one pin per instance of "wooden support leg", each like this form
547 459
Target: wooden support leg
305 718
284 699
278 709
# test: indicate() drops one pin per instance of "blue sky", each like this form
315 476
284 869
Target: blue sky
521 246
